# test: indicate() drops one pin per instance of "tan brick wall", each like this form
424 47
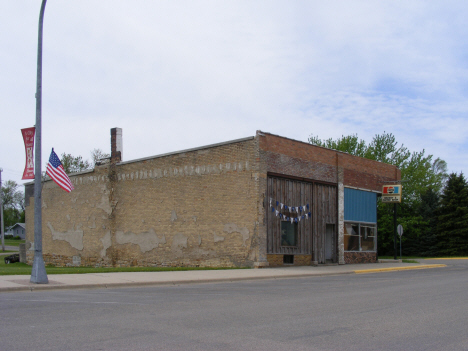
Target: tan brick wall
199 208
72 223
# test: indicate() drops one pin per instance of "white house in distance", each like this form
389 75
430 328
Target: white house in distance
19 229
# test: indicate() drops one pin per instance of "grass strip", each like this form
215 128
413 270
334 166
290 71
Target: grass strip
12 242
447 258
409 261
424 258
398 257
24 269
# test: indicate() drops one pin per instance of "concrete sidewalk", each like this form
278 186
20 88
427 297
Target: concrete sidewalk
131 279
14 249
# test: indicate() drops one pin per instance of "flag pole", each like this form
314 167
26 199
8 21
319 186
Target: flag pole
38 273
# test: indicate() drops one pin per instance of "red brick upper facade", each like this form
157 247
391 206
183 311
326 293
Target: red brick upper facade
299 159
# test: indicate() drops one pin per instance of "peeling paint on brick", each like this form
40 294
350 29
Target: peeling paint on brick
147 241
217 238
179 241
233 228
106 243
72 236
104 200
93 222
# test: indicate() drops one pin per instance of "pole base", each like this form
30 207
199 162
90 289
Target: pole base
38 273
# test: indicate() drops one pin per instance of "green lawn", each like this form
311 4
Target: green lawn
24 269
419 258
12 242
404 259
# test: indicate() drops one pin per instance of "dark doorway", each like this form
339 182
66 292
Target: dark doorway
329 242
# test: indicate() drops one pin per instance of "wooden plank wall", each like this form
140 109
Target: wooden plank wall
325 212
322 200
292 193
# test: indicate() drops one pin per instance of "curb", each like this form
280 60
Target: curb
426 266
53 285
43 287
448 258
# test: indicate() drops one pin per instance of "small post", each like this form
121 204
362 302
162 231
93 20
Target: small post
395 230
400 247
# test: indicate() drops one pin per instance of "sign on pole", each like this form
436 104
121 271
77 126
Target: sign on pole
400 233
391 193
28 137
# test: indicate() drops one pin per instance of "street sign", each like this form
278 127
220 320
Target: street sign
400 230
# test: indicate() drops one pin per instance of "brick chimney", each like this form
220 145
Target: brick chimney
116 145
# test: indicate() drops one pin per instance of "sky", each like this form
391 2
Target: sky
181 74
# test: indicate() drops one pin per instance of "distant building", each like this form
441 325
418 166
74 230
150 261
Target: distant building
264 200
19 229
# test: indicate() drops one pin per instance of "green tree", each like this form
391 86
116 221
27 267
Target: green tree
98 154
350 144
385 229
384 148
417 168
428 214
452 225
72 164
13 203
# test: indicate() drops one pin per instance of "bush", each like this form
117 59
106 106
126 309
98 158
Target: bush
8 236
17 238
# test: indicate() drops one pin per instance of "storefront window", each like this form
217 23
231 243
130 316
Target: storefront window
367 238
359 237
288 233
351 237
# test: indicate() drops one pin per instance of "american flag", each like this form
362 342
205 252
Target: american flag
57 173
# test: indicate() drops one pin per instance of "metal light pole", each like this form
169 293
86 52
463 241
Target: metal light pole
2 229
38 274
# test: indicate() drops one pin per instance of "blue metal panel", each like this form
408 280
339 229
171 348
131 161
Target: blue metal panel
360 206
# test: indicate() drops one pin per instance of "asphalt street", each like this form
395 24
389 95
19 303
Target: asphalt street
397 310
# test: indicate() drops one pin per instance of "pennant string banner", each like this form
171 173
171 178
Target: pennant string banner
302 211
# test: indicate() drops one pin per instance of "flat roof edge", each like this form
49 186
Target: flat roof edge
74 174
326 148
187 150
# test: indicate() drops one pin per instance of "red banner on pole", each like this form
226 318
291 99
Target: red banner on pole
28 137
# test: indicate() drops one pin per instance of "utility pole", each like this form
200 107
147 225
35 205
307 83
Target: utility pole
2 229
38 273
393 194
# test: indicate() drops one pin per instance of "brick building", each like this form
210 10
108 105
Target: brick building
259 201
